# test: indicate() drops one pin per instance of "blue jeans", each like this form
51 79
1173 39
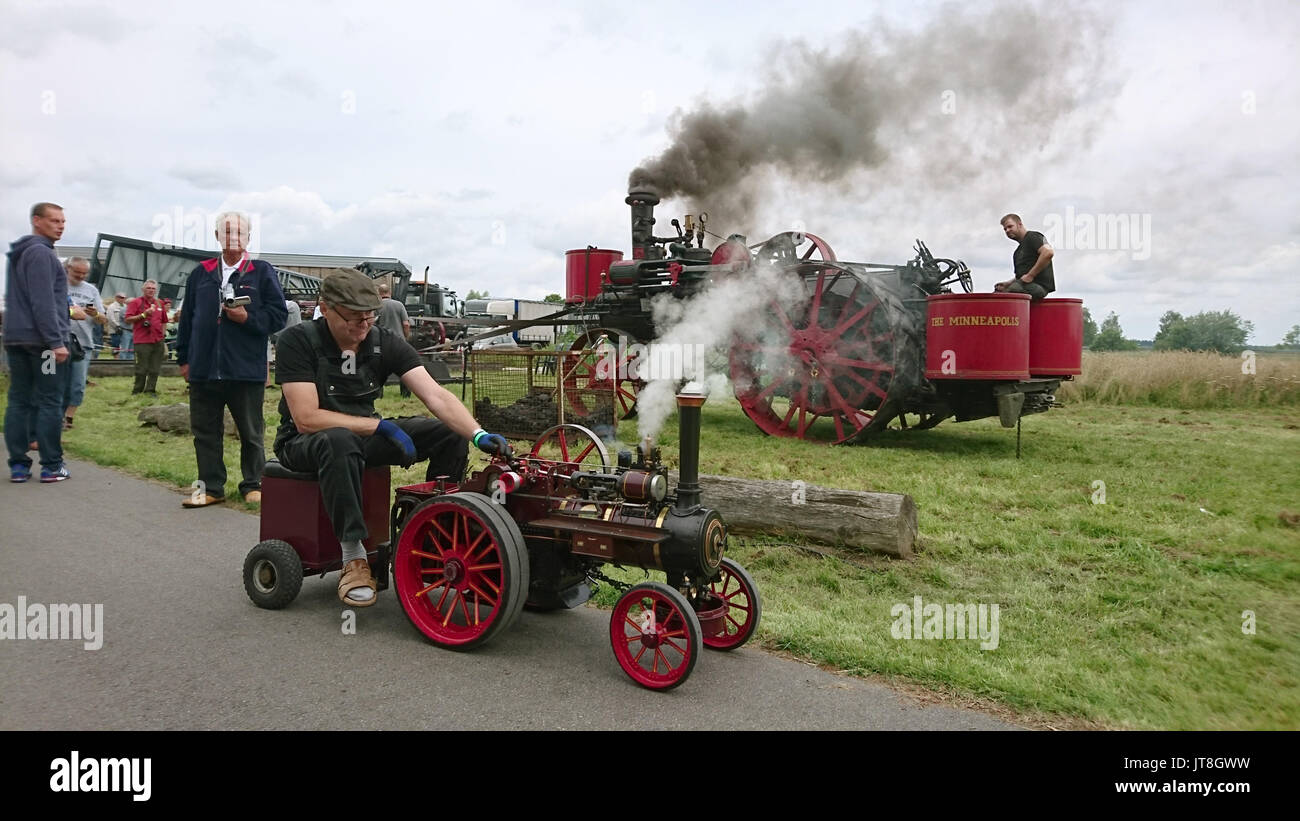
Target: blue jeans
75 390
128 346
35 403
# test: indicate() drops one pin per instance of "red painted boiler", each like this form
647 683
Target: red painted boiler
584 268
977 336
1056 337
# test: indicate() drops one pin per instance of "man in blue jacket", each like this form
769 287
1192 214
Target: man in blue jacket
232 305
36 330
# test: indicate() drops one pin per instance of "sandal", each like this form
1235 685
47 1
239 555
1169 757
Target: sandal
356 573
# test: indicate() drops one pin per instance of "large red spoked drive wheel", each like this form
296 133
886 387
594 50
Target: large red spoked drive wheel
788 248
656 635
461 570
603 367
736 589
821 367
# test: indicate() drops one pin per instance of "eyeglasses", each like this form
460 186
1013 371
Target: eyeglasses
363 319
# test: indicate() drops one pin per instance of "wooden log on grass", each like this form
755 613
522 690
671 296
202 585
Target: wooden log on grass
854 519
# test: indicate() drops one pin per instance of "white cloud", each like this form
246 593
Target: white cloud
487 160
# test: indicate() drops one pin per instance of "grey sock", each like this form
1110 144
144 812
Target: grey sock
353 550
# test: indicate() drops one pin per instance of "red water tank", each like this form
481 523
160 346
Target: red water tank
1056 337
977 336
583 270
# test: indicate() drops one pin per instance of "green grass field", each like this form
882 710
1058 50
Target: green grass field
1124 614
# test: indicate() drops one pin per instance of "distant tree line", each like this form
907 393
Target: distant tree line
1220 331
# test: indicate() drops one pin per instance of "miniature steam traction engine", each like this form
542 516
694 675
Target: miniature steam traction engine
534 531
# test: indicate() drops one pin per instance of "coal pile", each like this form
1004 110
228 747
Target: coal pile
534 413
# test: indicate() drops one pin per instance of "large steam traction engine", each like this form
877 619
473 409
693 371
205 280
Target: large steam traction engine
862 346
534 531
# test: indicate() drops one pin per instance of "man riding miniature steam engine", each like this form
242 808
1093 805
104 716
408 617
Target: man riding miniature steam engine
331 371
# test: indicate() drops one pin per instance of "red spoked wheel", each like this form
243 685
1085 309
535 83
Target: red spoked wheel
572 445
603 367
656 635
789 247
735 588
461 570
820 368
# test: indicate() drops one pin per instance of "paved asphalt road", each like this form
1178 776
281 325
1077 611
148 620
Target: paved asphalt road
185 649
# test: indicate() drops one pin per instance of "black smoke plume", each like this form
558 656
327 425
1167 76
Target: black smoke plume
1000 90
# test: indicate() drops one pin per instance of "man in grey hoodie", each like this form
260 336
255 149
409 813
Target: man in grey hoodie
37 323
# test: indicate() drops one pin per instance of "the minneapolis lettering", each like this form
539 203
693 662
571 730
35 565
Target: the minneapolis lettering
975 320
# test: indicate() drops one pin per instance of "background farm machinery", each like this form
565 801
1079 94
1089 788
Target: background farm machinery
857 348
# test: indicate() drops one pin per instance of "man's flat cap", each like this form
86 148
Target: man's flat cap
349 288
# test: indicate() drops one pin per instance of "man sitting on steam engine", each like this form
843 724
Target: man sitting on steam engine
331 371
1032 261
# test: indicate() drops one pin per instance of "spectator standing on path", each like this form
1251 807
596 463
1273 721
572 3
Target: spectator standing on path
147 316
221 348
36 330
87 313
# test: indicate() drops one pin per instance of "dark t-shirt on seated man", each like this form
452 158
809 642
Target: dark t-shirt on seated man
1026 254
343 384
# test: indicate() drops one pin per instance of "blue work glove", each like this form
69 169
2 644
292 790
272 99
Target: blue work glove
398 437
493 444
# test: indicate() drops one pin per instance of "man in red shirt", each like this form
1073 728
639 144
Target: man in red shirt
147 316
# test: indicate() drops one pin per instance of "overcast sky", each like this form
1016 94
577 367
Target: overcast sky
485 139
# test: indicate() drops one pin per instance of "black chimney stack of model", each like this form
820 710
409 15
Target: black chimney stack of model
688 487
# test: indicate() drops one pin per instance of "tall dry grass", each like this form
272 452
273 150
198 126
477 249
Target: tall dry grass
1183 379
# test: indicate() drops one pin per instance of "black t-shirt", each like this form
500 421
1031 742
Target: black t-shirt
1027 254
352 390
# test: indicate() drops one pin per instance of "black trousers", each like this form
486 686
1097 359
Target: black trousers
208 400
339 457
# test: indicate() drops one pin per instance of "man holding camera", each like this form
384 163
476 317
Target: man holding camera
331 371
232 305
147 317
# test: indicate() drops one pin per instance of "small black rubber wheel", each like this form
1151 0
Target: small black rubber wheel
272 574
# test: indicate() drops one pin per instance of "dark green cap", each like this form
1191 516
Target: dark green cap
349 288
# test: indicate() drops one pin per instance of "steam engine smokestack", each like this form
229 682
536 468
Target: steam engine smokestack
643 201
688 488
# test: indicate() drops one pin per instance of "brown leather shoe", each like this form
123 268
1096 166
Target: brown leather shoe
202 501
356 573
253 497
